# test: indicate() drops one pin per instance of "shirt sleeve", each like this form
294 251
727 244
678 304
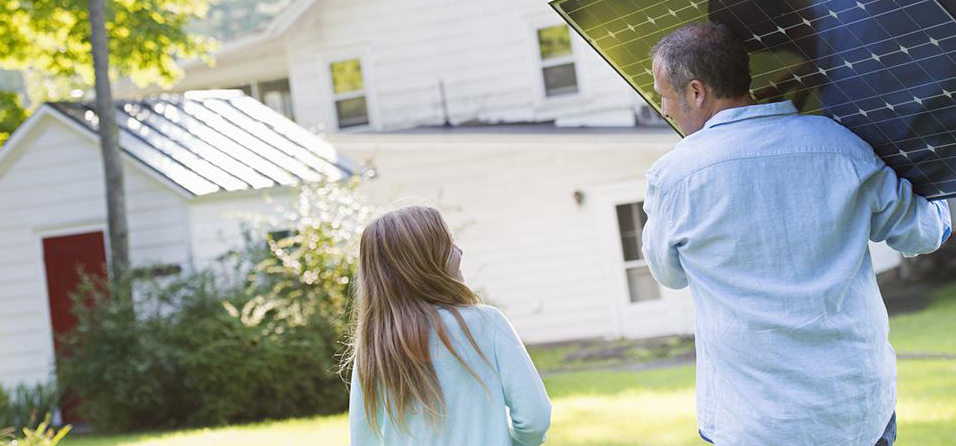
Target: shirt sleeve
360 432
903 219
524 392
659 249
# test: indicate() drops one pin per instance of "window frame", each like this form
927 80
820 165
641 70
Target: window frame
253 89
641 262
338 97
543 63
288 97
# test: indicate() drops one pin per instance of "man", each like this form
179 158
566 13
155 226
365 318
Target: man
767 215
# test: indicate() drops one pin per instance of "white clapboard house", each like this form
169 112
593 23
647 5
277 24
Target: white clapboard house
503 117
494 111
191 163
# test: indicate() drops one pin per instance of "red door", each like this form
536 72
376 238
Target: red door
64 256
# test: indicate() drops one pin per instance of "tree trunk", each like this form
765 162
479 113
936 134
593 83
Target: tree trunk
115 199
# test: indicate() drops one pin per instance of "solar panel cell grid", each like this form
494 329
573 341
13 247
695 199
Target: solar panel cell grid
886 69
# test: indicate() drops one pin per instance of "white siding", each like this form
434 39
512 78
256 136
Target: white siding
528 246
263 63
486 53
54 186
218 221
553 266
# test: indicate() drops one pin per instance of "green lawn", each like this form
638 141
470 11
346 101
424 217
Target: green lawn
654 408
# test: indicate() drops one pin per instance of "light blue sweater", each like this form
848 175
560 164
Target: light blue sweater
511 409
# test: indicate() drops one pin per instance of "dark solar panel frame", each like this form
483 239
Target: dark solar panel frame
886 69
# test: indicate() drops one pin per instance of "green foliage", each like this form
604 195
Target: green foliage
146 38
215 346
48 41
310 270
42 435
929 331
178 358
5 424
12 114
23 409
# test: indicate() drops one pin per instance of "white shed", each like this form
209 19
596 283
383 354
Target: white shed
190 162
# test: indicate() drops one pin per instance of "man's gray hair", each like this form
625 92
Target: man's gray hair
708 52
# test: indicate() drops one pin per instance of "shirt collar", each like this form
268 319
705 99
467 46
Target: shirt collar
750 112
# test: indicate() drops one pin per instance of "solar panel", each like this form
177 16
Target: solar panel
215 140
885 69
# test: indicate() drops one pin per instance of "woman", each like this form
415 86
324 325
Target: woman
431 365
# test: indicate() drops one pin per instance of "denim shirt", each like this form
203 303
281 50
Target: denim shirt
767 214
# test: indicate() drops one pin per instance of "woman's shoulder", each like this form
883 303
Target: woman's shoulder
478 315
468 312
486 309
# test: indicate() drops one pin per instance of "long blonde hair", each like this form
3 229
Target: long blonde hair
402 277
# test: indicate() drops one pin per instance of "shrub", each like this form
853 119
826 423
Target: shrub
27 405
42 435
212 347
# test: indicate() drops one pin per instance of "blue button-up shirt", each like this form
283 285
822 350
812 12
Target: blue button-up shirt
767 214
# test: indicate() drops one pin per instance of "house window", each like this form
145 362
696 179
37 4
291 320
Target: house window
557 61
277 95
246 89
630 222
348 89
156 271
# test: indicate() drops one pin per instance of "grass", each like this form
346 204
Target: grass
317 431
932 330
927 388
590 355
652 408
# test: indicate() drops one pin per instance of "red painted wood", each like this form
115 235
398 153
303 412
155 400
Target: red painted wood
64 257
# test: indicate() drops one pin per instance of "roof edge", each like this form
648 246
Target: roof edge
70 122
276 28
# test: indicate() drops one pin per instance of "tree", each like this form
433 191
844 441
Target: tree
145 38
11 114
48 42
89 42
112 163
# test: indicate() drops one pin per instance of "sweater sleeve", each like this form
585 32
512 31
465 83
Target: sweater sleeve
360 432
524 392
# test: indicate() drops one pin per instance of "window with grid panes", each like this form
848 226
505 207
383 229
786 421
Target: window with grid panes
557 61
641 286
348 91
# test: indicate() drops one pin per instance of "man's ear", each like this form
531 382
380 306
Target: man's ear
699 92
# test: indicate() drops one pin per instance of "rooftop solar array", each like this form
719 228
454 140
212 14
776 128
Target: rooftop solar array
885 69
218 140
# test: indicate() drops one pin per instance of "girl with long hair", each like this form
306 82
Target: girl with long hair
431 364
